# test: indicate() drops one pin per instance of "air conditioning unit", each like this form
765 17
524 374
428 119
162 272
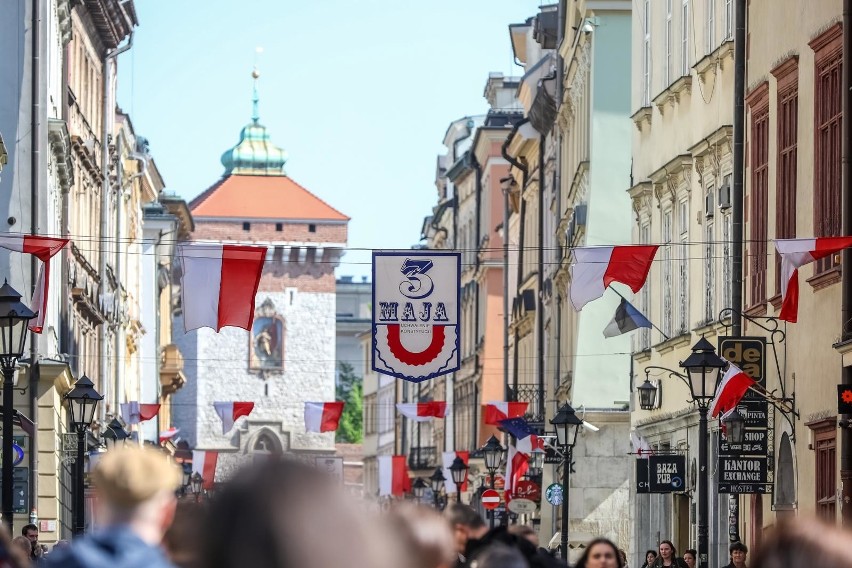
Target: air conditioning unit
725 195
708 205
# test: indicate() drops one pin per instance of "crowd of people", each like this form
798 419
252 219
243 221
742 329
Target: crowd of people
284 514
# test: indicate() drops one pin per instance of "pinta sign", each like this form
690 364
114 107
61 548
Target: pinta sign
416 313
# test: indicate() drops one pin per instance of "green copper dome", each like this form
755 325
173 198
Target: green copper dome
255 154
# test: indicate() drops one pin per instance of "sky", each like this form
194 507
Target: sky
358 92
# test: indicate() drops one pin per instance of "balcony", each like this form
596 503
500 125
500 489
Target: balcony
422 457
529 392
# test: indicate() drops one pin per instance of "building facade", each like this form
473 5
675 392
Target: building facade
288 357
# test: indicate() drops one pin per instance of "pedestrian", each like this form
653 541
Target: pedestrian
535 557
738 552
135 490
668 556
59 545
499 555
600 553
525 531
12 555
650 558
423 534
183 539
804 542
30 531
24 545
623 555
468 527
286 514
690 556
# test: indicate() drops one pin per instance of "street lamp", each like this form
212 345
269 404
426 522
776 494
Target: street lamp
437 481
14 318
459 472
567 425
115 435
492 452
82 401
647 395
419 488
734 423
703 369
196 484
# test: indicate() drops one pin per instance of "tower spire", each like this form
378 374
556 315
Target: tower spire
255 99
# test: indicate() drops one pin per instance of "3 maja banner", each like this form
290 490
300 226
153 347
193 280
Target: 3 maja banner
416 300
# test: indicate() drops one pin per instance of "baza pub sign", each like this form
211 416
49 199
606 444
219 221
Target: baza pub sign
661 474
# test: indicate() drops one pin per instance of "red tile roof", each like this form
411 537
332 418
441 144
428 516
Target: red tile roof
262 197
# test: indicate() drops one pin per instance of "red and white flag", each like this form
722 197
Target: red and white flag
497 411
230 411
530 443
423 411
393 476
43 248
168 434
204 463
731 390
134 413
798 252
322 416
517 465
595 268
447 459
641 447
219 284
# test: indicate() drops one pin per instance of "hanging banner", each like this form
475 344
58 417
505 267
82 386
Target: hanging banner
416 304
642 476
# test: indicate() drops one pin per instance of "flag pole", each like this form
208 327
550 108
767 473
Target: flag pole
665 337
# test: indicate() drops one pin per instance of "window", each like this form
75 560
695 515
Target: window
668 284
709 260
729 19
825 448
246 226
667 72
279 227
312 228
759 193
683 267
711 25
727 251
828 116
788 134
684 38
646 55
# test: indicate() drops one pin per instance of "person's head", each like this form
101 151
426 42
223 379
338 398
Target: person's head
525 531
623 554
738 553
600 553
650 556
136 487
667 550
466 524
423 534
498 555
690 556
31 532
23 544
804 542
183 539
60 544
286 514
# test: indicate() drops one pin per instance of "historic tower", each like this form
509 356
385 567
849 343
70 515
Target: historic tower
288 357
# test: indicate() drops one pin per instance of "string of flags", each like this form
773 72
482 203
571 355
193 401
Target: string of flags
135 412
323 416
423 411
230 411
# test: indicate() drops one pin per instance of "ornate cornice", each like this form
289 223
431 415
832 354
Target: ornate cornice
642 196
60 147
668 179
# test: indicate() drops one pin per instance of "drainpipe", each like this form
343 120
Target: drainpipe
37 128
477 167
106 127
738 173
520 277
846 285
542 144
507 184
557 183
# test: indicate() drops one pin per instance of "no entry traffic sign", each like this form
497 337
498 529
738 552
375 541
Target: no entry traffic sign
490 499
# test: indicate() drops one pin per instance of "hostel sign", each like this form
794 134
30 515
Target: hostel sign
416 303
748 467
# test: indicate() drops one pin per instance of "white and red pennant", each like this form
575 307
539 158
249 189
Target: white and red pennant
416 313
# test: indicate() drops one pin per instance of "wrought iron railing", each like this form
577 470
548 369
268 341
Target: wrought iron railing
422 457
529 392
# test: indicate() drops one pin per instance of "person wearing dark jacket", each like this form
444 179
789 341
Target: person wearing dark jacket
668 556
136 488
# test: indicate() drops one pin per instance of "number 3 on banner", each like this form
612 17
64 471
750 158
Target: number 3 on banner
419 285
